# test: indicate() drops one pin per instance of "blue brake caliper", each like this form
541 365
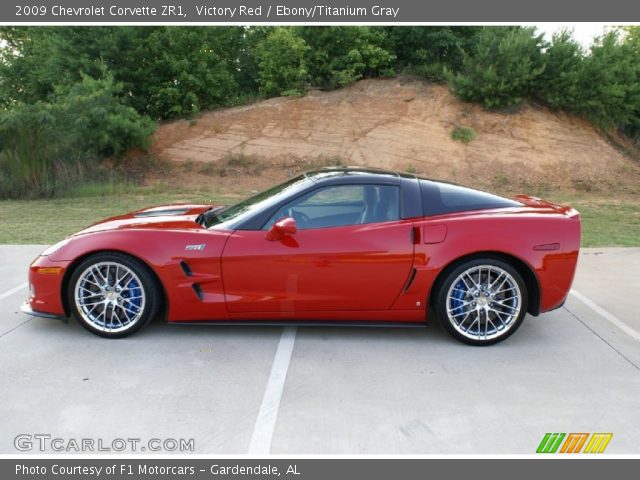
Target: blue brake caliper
134 298
458 294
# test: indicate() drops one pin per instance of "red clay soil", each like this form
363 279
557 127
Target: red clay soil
402 124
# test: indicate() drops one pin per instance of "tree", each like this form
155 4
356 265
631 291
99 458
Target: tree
42 142
430 51
338 56
632 41
188 71
281 63
165 72
610 84
559 84
501 68
94 122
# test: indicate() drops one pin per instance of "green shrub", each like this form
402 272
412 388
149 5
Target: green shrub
96 122
463 134
610 84
602 85
501 68
429 51
188 69
166 72
30 160
281 63
559 85
45 147
338 56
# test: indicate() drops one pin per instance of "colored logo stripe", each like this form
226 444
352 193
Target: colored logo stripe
550 443
574 442
598 442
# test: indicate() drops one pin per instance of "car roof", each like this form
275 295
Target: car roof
355 172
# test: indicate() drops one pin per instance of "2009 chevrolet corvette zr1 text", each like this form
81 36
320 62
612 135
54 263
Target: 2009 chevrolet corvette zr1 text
335 245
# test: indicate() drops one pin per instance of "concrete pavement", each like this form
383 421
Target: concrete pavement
343 390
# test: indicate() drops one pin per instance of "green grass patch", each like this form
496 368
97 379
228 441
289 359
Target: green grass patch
463 134
609 223
47 221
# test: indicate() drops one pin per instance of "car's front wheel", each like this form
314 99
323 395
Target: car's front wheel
113 295
482 301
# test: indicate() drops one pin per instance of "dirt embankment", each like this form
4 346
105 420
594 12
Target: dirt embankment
403 124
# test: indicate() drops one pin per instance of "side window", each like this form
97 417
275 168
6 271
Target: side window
341 205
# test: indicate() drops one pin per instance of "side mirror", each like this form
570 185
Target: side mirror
283 227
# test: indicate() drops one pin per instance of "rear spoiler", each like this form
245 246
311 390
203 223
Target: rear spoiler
538 202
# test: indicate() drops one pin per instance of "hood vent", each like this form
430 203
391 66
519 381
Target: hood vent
161 213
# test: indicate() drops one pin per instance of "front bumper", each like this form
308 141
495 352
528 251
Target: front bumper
26 308
45 286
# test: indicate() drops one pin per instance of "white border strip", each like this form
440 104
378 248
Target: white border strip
266 422
606 315
8 293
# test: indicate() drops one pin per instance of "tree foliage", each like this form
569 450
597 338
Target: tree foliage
559 85
501 68
431 51
42 143
165 72
610 83
92 120
338 56
281 63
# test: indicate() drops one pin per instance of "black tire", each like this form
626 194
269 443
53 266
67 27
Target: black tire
145 285
456 304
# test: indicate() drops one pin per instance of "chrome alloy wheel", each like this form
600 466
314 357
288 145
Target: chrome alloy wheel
483 302
109 296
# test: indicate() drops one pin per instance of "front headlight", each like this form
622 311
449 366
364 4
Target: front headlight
54 248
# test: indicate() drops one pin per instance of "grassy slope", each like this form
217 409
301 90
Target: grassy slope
608 223
605 222
47 221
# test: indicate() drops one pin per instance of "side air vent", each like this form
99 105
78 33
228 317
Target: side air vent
410 280
185 268
198 289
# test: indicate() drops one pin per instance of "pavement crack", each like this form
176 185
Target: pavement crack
601 338
15 328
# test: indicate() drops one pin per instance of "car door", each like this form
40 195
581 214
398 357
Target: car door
351 252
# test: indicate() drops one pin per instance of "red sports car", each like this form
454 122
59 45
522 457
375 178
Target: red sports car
332 246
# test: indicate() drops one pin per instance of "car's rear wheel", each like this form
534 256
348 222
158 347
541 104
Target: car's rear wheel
482 301
113 295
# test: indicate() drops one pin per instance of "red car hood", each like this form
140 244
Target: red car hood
176 216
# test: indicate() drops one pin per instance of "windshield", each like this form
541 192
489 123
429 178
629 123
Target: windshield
240 211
